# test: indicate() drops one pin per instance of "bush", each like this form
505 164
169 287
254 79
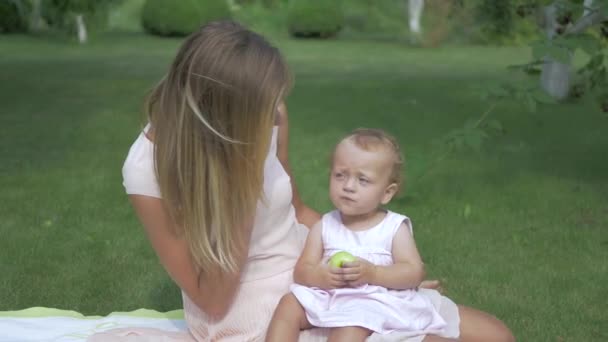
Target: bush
11 19
315 18
182 17
493 22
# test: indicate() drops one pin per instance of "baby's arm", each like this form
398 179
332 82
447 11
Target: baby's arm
309 270
406 272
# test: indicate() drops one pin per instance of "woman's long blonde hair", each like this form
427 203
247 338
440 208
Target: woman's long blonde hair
212 118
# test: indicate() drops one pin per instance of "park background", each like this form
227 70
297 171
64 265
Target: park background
506 177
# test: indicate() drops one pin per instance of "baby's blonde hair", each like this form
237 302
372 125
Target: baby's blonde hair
212 118
373 139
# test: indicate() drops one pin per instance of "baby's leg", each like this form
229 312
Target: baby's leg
288 319
354 334
433 338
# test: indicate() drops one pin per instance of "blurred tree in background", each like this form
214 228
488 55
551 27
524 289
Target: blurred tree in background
75 17
13 16
180 18
555 29
569 26
495 17
566 27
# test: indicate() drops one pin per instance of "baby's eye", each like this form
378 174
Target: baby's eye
338 175
363 180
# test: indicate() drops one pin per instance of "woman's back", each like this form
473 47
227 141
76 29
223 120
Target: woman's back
276 241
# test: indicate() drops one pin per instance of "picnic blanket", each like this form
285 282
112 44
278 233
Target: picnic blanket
47 324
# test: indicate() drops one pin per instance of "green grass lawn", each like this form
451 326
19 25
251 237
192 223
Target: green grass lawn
533 250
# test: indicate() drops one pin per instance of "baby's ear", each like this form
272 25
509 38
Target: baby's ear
389 192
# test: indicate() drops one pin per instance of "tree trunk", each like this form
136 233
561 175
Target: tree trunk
415 9
82 29
587 5
556 76
36 21
591 16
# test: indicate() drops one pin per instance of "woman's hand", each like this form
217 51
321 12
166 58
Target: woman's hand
357 273
432 284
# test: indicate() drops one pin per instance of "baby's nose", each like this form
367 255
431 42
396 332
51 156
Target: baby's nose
349 185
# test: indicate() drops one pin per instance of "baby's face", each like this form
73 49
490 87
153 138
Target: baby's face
359 180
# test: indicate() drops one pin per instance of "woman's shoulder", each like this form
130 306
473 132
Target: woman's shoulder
139 177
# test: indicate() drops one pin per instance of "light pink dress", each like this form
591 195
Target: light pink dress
373 307
276 242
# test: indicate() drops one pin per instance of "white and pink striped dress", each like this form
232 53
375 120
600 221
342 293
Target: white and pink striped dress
276 242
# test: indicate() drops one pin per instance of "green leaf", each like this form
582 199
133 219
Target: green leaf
558 53
584 41
596 61
599 78
458 143
470 124
519 96
538 49
541 96
494 125
529 68
603 6
474 139
467 211
498 91
481 92
530 103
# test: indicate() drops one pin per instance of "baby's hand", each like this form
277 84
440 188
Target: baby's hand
358 272
330 277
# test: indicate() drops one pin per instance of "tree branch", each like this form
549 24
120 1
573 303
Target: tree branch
591 16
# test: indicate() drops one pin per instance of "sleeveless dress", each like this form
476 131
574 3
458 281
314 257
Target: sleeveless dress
373 307
276 242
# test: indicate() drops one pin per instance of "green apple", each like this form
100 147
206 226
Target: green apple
338 259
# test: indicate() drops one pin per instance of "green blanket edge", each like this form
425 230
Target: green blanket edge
51 312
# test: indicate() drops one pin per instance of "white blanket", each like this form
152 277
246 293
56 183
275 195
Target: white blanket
45 324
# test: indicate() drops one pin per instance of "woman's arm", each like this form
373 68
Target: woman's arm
406 272
309 270
212 294
304 214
